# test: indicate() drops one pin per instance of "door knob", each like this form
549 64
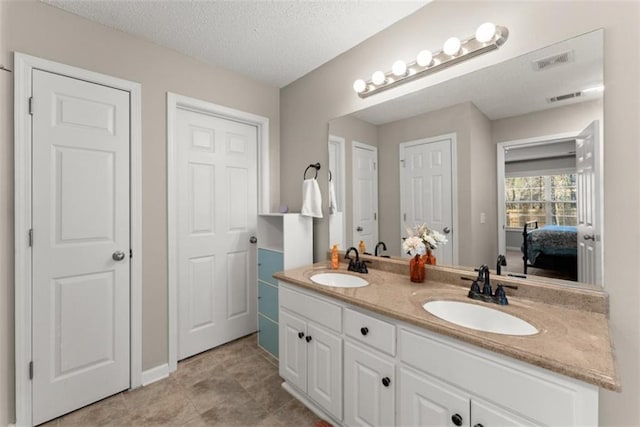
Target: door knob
456 419
253 239
364 331
386 381
358 228
446 230
118 256
590 237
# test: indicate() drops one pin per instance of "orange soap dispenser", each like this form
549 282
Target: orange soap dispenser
361 247
335 261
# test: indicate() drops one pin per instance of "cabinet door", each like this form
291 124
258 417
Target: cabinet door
369 385
269 262
293 350
485 414
425 401
324 378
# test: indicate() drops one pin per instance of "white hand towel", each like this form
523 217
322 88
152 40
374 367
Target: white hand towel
311 199
333 205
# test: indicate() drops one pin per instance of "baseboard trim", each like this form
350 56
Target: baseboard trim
309 404
155 374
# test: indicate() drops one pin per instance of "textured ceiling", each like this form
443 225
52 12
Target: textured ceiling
507 89
275 42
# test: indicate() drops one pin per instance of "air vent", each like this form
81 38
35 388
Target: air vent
564 97
553 61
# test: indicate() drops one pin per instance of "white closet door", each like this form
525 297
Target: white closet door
80 243
217 215
365 195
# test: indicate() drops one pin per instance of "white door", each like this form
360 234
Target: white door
369 388
217 215
426 190
365 195
324 362
425 401
80 243
589 225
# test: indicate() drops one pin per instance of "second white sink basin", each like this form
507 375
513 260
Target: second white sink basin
479 318
339 280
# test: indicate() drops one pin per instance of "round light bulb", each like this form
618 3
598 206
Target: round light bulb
359 86
378 78
452 46
485 32
425 58
399 68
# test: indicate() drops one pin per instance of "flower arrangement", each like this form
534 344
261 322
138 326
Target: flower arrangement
422 238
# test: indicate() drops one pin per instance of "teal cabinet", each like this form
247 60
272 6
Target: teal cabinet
268 335
285 241
268 300
269 262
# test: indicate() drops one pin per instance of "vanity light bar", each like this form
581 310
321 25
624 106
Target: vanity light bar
488 37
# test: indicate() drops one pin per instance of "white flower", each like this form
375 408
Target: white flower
414 246
430 239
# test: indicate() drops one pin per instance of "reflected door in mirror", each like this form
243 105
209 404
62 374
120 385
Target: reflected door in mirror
365 195
426 189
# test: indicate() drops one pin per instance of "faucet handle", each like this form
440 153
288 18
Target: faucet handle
500 295
363 266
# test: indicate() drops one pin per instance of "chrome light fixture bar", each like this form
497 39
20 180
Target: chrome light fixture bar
488 37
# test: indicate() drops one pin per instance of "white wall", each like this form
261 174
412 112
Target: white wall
308 104
38 29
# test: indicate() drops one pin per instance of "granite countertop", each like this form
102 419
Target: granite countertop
571 341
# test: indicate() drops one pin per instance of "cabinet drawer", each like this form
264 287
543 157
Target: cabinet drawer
268 301
485 374
269 262
316 309
268 335
374 332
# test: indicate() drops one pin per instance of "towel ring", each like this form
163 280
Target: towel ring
315 166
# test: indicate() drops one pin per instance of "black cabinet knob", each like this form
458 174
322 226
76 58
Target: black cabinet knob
386 381
308 338
300 335
456 419
364 331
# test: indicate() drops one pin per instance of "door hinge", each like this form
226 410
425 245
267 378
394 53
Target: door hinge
374 165
31 237
402 163
31 370
375 216
130 253
31 105
404 216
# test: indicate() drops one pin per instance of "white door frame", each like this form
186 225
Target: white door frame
340 170
175 101
454 185
502 147
24 65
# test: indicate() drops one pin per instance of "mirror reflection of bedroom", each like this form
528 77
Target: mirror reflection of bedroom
549 206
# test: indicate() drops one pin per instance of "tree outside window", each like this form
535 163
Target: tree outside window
548 199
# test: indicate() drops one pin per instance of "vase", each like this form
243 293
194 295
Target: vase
416 269
430 259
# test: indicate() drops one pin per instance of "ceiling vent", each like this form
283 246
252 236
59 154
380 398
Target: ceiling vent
553 61
564 97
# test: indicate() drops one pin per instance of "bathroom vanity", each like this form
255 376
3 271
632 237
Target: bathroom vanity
373 355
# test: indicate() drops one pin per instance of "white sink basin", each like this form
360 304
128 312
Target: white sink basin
339 280
479 317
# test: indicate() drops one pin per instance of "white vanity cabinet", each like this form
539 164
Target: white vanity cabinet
310 352
369 370
400 374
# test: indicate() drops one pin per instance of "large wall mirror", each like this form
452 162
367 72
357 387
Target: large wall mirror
483 158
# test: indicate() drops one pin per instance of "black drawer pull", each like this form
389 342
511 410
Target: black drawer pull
386 381
456 419
300 335
364 331
308 338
